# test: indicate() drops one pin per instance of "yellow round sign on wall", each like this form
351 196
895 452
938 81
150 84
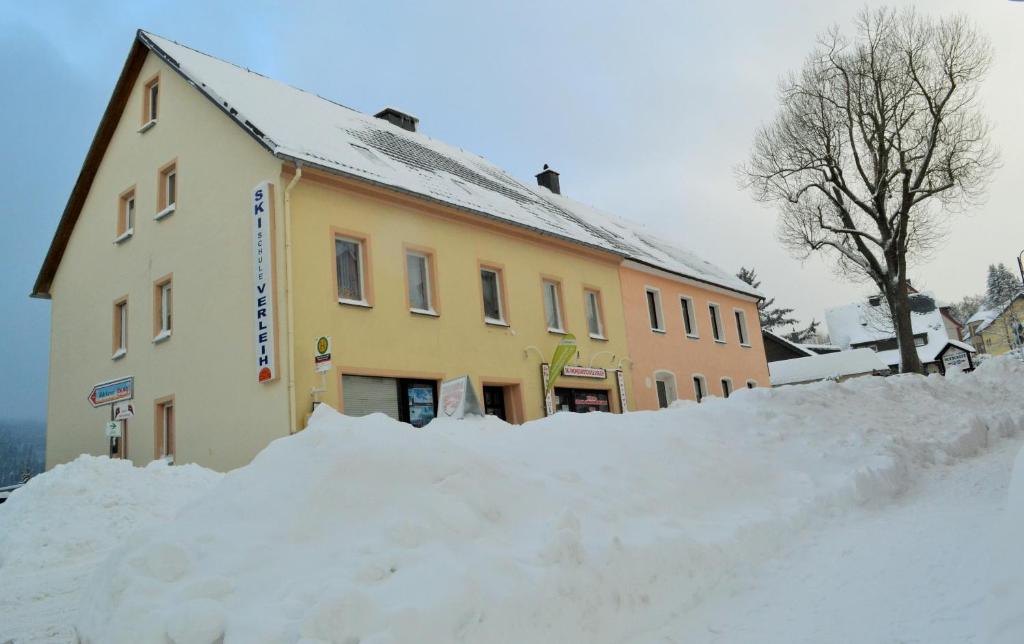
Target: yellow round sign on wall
322 345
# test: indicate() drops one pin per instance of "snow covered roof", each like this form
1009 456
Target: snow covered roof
988 315
860 323
798 348
301 126
827 365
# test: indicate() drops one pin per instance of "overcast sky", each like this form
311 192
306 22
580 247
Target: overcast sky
645 109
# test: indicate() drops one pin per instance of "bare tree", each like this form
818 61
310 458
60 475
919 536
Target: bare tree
878 139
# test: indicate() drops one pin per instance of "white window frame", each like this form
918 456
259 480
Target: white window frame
553 290
689 317
593 304
425 258
360 270
154 107
671 393
171 180
751 384
656 292
122 326
742 332
715 313
501 319
727 387
702 393
166 302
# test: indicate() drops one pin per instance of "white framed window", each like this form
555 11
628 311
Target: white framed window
165 310
120 343
700 387
653 296
125 216
751 384
716 322
741 327
595 315
689 319
491 288
154 99
665 387
164 416
150 103
350 271
553 306
726 387
921 341
171 181
167 191
418 271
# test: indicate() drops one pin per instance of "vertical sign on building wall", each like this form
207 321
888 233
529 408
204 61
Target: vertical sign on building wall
263 274
620 380
549 395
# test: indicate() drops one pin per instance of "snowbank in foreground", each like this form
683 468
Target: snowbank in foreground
592 528
58 529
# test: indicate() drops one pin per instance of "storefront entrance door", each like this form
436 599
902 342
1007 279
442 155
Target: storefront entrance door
494 402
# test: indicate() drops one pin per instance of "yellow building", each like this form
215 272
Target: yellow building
223 223
999 330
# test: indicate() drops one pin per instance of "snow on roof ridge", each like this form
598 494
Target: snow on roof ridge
371 149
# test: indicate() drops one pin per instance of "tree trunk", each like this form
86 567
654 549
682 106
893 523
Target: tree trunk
899 305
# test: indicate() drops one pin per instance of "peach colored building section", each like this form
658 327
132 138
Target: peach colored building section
671 352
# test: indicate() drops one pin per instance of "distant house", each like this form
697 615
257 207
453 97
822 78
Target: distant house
837 366
778 348
868 325
998 330
821 348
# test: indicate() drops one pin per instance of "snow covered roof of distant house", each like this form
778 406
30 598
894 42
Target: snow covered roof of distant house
797 348
300 126
820 348
927 353
863 323
988 315
827 365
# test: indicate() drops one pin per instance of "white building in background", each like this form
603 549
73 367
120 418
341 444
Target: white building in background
836 365
868 325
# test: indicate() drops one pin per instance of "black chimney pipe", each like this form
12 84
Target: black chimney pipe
549 179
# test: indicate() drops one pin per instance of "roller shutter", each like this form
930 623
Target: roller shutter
369 394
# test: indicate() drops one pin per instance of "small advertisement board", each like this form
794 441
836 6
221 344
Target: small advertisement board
458 398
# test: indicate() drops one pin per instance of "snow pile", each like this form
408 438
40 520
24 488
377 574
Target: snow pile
593 528
1007 601
56 530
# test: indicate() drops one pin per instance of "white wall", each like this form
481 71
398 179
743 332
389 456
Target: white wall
224 417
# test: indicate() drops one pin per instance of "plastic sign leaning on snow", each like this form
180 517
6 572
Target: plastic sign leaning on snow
263 279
